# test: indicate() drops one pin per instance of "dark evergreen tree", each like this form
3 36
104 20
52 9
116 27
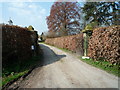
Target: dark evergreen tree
107 13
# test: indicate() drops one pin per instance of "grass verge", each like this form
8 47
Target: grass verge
16 70
104 65
63 49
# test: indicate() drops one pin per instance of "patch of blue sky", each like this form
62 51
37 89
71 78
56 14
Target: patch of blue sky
27 13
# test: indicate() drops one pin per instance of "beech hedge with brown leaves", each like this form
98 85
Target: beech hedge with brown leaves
73 43
16 44
105 44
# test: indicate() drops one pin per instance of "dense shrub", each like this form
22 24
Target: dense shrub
105 44
16 44
73 43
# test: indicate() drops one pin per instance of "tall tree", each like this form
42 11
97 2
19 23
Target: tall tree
64 18
107 13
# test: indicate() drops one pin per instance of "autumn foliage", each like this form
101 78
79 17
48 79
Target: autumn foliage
64 18
16 44
73 43
105 44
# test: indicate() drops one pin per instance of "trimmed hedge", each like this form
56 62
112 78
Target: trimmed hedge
16 44
73 43
105 44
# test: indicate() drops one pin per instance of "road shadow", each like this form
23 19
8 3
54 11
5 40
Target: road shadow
49 56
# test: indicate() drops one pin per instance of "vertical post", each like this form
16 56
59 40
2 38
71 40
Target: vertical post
85 44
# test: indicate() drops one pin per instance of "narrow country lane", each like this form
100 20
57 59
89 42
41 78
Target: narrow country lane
64 70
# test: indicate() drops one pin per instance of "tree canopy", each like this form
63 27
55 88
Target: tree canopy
107 13
64 18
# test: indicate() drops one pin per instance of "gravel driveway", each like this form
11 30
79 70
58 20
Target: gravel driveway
64 70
